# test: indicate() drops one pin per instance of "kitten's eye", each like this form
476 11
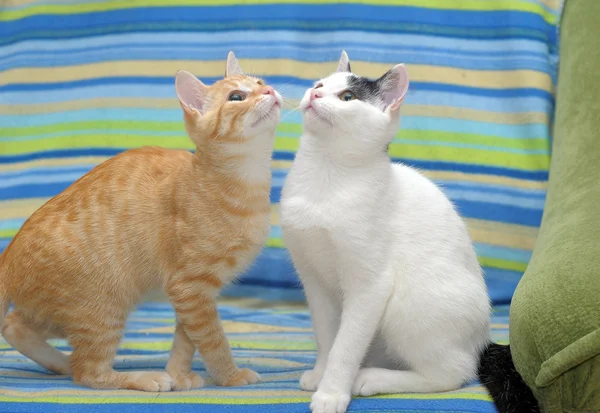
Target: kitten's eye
236 97
347 96
318 86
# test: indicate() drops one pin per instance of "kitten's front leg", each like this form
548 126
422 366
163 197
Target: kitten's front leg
194 299
179 366
325 318
365 297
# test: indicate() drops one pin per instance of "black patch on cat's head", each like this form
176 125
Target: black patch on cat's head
365 89
368 90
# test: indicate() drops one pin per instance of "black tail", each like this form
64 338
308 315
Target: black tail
498 374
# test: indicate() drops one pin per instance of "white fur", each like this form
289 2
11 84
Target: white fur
395 290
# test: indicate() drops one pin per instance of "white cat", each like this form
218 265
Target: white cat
395 290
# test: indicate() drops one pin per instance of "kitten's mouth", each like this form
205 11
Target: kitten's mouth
316 114
268 114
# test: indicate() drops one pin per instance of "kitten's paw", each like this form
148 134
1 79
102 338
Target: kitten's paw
310 380
154 381
243 377
366 383
187 381
323 402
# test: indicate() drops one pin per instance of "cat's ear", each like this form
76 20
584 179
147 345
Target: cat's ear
233 66
393 87
191 93
344 63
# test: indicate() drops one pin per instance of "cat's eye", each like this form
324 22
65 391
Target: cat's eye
236 97
318 85
347 96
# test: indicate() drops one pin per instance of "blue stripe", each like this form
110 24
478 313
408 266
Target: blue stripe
463 126
506 253
509 214
415 86
277 12
427 165
472 406
388 41
292 25
15 184
414 97
257 49
494 198
273 52
34 172
11 223
490 188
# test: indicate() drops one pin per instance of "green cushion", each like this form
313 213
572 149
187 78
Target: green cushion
555 312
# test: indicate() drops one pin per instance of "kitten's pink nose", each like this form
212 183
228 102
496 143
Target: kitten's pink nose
314 94
268 90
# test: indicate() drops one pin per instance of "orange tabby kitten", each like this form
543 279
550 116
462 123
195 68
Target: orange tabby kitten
149 218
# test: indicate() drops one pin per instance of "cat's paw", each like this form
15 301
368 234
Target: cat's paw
366 383
153 381
323 402
243 378
310 380
187 381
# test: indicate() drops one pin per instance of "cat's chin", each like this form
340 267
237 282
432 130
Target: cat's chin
267 121
313 115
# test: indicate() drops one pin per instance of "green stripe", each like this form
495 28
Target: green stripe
110 125
465 5
96 141
8 233
540 143
139 127
114 140
132 125
503 264
529 162
525 162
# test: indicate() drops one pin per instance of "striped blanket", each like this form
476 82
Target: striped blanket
81 80
276 342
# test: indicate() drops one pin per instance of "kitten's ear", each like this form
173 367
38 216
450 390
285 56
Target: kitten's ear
393 87
191 93
233 67
344 63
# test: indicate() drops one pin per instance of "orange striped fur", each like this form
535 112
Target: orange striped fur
147 219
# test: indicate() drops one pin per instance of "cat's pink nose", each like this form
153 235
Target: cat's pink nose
268 90
314 94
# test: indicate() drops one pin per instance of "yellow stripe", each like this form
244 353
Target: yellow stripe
481 5
102 103
274 67
20 208
204 397
43 163
486 179
503 234
452 112
87 160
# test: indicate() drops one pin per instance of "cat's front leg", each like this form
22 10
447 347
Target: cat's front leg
325 317
365 293
179 365
194 299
